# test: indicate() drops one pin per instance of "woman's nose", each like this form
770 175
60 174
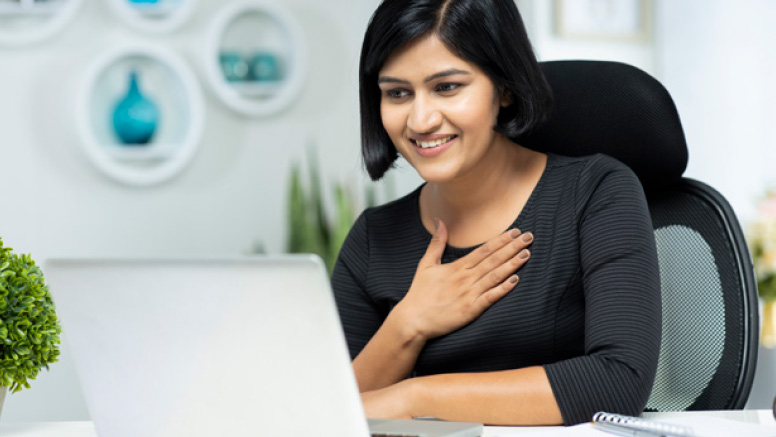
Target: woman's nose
424 116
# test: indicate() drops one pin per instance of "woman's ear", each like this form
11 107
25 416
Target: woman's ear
505 98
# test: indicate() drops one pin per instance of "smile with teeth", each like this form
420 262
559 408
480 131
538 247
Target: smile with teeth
435 143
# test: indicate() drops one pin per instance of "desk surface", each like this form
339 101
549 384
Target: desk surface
86 429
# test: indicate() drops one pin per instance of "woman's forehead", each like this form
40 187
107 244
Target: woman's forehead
421 57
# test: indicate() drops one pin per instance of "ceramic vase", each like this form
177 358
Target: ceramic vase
136 117
265 67
234 67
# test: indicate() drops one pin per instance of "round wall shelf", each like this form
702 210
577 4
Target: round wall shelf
255 59
153 16
30 21
161 78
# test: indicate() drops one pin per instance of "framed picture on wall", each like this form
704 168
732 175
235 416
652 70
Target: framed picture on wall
603 19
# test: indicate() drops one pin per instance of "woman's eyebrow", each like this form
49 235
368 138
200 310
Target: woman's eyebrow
450 72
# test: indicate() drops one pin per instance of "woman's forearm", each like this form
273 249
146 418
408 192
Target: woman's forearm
510 397
390 355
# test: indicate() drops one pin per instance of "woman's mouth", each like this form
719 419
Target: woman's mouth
434 143
432 148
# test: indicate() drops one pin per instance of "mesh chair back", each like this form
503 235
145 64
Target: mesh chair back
709 344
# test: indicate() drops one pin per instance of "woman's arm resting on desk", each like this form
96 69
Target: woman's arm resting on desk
510 397
621 284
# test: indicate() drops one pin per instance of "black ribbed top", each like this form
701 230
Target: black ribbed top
587 306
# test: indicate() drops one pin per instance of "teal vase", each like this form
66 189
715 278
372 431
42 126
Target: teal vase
136 117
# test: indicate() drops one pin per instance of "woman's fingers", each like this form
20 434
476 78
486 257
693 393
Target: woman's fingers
502 272
437 245
503 255
482 253
491 296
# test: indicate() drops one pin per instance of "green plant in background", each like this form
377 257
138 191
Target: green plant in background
310 229
761 237
29 330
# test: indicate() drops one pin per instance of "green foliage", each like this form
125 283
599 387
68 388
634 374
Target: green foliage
766 287
310 229
761 245
29 330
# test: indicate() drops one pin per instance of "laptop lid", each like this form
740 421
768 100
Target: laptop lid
208 347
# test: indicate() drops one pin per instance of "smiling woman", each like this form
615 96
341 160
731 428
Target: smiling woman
437 319
440 102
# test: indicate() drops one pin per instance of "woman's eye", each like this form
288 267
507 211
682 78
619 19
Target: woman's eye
396 93
447 87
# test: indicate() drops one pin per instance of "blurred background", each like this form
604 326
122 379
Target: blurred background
137 128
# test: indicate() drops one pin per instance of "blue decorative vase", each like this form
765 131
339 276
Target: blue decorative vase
136 117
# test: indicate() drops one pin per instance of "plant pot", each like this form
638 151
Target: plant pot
768 334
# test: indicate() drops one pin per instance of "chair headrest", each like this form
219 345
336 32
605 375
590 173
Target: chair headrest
616 109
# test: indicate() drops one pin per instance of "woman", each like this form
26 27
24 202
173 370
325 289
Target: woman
449 306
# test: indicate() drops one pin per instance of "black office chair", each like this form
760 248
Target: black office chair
709 295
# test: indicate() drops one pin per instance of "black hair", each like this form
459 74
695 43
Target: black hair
487 33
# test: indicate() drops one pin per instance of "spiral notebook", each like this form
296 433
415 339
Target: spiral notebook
689 426
626 425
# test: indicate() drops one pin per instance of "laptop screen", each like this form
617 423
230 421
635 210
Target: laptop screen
208 347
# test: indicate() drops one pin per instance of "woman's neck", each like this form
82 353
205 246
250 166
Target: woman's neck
488 196
486 185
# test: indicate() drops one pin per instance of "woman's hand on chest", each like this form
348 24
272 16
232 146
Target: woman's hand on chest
445 297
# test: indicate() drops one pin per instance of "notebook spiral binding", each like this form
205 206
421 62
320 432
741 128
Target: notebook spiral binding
637 423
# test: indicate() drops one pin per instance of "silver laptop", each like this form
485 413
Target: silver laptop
241 347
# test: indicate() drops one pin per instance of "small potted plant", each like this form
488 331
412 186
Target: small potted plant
29 329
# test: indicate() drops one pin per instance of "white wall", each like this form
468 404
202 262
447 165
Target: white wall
717 59
55 203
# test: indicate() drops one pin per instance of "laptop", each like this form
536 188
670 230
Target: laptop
237 347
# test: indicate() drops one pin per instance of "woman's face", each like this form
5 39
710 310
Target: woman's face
438 109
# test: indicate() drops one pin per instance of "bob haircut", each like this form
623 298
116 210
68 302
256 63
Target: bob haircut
487 33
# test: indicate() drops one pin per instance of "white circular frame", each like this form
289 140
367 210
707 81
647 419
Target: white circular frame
135 19
101 155
229 94
37 34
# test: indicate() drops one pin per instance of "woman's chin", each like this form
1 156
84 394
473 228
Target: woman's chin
436 175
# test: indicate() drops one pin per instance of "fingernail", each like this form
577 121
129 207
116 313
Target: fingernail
514 233
527 237
523 254
436 224
513 279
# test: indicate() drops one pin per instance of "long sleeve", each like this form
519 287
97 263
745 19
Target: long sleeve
359 316
620 277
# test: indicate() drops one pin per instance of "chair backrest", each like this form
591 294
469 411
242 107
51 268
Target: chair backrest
708 289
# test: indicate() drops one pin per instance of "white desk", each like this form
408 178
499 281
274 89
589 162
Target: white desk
86 429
